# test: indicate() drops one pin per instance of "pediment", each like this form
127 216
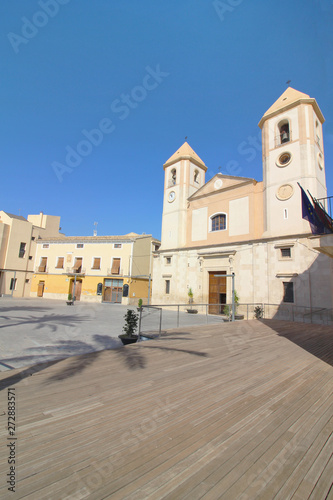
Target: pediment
220 183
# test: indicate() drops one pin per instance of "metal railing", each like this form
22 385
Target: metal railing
157 318
327 204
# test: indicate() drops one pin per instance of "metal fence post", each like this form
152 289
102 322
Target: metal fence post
139 324
178 316
159 333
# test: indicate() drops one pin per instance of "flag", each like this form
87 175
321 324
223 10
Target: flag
323 216
309 214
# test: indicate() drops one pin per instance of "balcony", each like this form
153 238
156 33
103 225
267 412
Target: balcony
41 269
118 272
327 203
75 270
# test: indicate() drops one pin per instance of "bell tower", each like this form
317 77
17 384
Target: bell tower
292 147
184 173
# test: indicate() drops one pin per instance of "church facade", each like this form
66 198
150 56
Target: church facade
252 229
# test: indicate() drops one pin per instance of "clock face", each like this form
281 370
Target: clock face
285 192
172 196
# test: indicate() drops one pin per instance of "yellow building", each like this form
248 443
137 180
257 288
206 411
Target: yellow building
18 237
95 268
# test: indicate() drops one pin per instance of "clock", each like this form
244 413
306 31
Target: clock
285 192
172 196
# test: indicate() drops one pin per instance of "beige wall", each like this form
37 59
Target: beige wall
104 250
243 207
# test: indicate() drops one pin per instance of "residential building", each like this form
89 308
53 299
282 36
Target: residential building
113 269
18 238
254 230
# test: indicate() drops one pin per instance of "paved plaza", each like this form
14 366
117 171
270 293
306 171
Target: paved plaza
39 330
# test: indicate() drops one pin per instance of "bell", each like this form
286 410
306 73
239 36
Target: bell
284 137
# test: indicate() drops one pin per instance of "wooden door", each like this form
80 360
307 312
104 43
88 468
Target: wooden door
217 291
107 294
40 289
78 287
78 290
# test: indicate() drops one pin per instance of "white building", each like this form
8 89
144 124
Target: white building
253 229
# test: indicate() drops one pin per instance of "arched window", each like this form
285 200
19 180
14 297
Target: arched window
284 131
196 176
173 178
218 222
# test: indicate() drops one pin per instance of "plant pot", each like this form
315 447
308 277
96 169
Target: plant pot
128 340
192 311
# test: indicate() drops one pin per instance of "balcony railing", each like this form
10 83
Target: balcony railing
110 273
75 270
327 204
41 269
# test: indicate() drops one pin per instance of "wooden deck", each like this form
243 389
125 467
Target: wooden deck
233 411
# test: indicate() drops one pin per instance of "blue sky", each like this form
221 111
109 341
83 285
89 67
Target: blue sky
202 69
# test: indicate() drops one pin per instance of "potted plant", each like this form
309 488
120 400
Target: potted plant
70 300
139 305
190 301
131 323
258 312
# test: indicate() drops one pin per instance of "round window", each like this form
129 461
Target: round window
283 160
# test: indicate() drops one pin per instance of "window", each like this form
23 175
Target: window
46 245
196 176
60 263
173 177
27 280
77 265
33 238
13 282
284 159
286 253
96 263
317 133
117 245
168 260
284 131
218 222
42 265
167 287
79 245
30 257
288 291
115 266
22 250
285 213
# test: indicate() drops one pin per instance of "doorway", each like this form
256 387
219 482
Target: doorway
113 290
217 292
78 287
40 289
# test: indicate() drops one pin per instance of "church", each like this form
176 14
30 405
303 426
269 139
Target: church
252 229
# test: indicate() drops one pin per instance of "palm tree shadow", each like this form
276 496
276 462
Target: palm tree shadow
84 354
135 359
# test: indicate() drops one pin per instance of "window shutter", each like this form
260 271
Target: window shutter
60 263
77 265
115 266
42 266
97 263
